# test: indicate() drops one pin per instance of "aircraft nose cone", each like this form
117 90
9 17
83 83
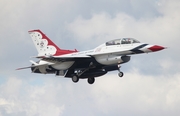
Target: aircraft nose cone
156 48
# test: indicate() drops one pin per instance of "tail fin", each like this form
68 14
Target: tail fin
45 46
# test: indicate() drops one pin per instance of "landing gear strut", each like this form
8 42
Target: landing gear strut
120 74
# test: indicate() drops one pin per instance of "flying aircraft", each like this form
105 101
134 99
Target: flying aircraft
85 64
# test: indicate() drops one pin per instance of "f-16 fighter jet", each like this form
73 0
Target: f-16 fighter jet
85 64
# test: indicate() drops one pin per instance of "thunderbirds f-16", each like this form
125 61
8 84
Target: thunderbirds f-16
85 64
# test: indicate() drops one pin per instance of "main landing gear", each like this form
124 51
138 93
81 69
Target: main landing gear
78 73
91 80
75 79
120 74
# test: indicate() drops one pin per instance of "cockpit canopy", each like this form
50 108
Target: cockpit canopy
122 41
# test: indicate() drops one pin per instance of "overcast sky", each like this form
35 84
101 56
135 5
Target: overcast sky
150 86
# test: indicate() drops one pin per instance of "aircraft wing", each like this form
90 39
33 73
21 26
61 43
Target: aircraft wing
63 58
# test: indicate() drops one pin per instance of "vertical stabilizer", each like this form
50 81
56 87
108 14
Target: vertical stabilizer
45 46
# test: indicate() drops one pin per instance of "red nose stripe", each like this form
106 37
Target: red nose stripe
156 48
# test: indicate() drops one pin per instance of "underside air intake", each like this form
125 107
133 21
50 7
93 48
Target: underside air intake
125 59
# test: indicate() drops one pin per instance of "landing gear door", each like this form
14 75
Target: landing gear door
61 72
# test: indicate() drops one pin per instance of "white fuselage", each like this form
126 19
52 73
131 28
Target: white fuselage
105 55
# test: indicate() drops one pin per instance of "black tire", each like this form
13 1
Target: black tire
75 78
120 74
91 80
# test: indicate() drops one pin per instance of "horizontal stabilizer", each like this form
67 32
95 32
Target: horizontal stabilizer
35 65
24 68
33 62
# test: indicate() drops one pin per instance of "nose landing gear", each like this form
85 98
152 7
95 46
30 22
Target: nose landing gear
120 74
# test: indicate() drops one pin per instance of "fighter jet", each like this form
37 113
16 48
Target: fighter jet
85 64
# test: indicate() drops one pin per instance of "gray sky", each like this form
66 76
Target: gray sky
151 83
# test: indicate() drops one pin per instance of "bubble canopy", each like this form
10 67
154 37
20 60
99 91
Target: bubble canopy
122 41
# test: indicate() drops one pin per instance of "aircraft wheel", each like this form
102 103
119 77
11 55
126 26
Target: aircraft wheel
91 80
75 78
120 74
